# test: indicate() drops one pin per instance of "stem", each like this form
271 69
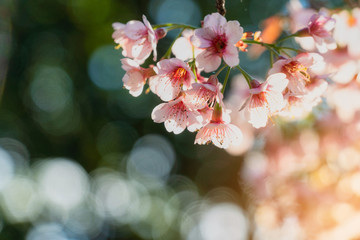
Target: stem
226 80
287 37
168 52
193 68
270 47
220 70
271 59
289 48
173 26
246 75
282 50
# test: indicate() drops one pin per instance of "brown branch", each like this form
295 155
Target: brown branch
220 5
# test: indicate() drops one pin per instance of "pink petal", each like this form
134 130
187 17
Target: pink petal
135 30
277 81
161 85
182 49
233 32
203 37
208 61
129 64
231 56
214 21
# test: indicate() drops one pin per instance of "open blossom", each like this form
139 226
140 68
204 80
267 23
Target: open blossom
320 28
341 67
218 38
137 39
299 19
172 75
218 131
265 100
297 70
299 107
177 116
204 94
183 48
135 76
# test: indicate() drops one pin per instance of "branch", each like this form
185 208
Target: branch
220 5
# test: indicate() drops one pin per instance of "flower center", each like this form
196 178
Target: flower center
219 43
177 108
293 67
178 75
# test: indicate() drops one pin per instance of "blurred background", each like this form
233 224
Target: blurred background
81 159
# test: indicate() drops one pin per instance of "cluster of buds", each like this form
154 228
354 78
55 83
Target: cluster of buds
195 102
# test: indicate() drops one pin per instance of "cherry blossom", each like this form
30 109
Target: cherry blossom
172 75
135 76
320 27
219 131
297 70
204 94
137 39
183 48
300 107
177 116
265 100
218 38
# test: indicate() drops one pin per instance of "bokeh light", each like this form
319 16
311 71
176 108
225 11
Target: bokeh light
81 159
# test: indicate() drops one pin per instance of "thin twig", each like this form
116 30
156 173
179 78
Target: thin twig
220 6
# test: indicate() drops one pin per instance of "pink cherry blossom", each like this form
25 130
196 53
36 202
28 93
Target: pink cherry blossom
320 28
135 76
177 116
221 133
218 38
137 39
172 75
297 70
300 107
206 114
204 94
265 100
183 48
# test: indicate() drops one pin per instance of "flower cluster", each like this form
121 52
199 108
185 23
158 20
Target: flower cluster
186 81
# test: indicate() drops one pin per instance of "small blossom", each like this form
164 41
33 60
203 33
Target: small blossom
137 39
183 48
297 70
206 114
219 132
320 28
177 116
204 94
300 107
172 75
135 76
218 38
265 100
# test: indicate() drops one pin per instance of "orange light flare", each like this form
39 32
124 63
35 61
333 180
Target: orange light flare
272 28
